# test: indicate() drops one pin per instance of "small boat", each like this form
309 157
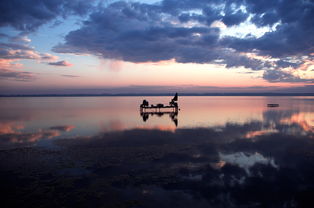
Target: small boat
173 105
272 105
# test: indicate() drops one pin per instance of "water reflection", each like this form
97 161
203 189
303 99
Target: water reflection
161 109
239 153
24 118
203 167
91 114
173 115
12 135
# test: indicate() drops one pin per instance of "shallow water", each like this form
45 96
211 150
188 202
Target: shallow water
99 152
31 120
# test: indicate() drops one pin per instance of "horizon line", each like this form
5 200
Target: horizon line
155 94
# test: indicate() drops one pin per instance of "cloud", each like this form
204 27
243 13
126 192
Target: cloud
180 30
3 35
139 33
11 134
28 16
234 19
10 53
48 57
17 75
292 35
9 64
60 63
22 51
282 76
209 170
247 161
69 76
19 138
21 38
10 127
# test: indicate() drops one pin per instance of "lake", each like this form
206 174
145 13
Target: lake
217 151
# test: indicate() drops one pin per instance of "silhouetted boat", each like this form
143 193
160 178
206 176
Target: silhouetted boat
173 105
272 105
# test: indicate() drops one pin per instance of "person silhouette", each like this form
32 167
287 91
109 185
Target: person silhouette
145 103
174 100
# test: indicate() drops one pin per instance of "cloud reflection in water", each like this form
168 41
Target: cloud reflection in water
11 134
261 163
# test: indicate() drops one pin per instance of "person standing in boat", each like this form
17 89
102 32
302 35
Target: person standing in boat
174 100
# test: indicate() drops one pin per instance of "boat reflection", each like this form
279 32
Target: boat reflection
173 115
28 121
160 109
227 152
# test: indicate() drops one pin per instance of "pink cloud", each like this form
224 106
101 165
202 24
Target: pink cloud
9 71
16 52
48 57
8 64
17 75
10 53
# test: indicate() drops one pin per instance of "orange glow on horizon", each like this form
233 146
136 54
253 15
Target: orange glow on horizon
113 73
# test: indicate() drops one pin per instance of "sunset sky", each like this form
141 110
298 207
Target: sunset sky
99 46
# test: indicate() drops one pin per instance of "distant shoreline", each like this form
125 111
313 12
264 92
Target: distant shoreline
160 94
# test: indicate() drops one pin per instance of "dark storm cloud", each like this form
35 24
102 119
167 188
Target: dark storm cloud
176 29
29 15
234 19
233 14
140 38
138 32
287 40
286 63
294 34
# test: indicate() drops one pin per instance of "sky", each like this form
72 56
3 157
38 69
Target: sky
151 46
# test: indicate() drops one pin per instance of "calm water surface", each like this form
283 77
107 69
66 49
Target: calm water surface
100 152
30 120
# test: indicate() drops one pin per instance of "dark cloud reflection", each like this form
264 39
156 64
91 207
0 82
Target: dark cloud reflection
265 163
